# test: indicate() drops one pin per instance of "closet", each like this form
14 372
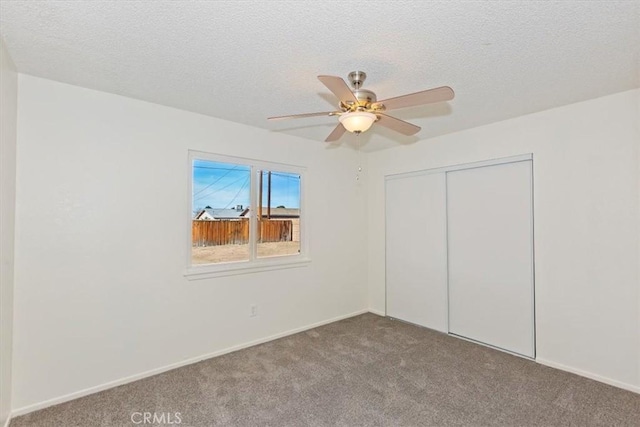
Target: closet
459 251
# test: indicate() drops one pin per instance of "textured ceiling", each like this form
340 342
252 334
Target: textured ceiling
246 60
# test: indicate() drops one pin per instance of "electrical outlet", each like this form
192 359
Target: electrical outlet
253 311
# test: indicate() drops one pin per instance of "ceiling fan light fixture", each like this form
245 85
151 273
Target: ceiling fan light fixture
357 121
359 108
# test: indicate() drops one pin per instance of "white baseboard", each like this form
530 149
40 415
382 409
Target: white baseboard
6 424
91 390
589 375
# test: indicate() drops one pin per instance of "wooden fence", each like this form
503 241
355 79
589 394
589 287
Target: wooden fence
236 232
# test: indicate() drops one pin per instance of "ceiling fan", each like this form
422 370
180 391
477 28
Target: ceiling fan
359 109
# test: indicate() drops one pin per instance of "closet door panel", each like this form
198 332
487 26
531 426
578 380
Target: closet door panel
490 255
416 263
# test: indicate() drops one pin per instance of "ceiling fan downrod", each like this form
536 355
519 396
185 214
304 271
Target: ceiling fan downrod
357 78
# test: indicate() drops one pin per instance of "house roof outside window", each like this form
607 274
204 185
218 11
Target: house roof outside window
239 212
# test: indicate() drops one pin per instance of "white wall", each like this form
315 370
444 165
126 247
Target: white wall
586 185
8 109
100 290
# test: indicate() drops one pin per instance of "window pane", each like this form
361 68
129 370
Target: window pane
279 222
220 204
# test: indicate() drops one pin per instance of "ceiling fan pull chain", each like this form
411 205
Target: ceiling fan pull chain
359 155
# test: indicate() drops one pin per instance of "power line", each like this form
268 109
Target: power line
220 189
236 196
216 168
244 184
286 175
223 175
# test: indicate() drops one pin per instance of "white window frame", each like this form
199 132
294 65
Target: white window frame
254 264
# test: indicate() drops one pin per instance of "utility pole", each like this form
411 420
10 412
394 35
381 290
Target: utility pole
259 210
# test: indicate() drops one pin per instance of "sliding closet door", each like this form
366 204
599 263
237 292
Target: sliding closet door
490 245
416 263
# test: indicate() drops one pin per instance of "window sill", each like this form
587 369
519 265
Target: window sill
246 267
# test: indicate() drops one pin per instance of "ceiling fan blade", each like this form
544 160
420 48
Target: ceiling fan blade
339 88
299 116
439 94
398 125
336 133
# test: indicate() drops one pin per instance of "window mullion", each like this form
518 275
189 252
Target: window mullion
253 216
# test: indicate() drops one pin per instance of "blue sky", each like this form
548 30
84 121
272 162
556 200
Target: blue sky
226 185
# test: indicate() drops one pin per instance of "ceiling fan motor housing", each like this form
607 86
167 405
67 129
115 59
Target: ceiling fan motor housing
365 97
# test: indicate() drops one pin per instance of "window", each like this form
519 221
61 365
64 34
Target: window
245 215
278 213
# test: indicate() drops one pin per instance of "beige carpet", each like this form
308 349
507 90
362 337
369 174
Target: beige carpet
363 371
